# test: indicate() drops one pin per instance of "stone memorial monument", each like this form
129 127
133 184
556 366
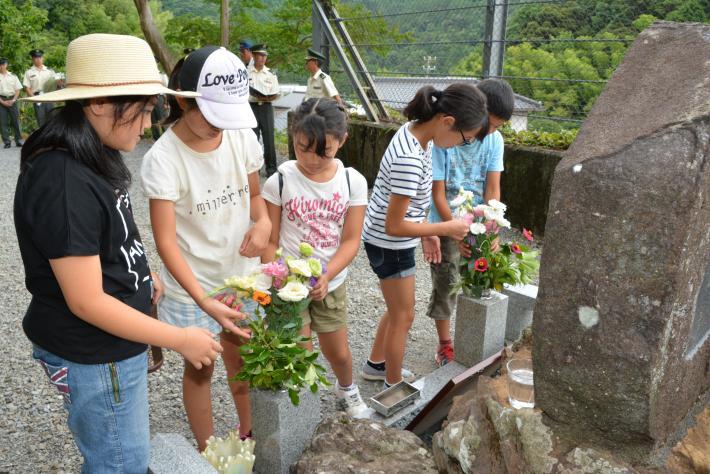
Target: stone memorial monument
621 349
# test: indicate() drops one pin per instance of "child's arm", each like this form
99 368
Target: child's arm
438 195
492 190
349 245
81 281
274 212
162 218
396 226
257 237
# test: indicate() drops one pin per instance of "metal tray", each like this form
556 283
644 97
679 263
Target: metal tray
393 399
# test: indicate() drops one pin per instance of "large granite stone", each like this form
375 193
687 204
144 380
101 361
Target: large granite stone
343 445
480 327
620 329
281 430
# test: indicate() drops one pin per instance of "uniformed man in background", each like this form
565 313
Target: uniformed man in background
319 83
35 80
263 90
245 53
10 88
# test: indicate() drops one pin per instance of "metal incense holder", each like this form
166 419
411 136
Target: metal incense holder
393 399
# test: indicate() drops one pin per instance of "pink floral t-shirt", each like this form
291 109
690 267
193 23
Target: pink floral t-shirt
315 212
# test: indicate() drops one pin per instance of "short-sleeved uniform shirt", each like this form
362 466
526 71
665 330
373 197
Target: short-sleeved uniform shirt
263 81
466 166
36 78
9 84
62 209
320 85
315 212
405 170
212 203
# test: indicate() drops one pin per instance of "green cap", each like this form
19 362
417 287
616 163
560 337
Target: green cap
313 54
259 49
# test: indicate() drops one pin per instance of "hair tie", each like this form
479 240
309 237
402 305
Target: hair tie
435 96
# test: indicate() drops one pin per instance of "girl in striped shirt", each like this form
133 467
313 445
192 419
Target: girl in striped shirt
394 221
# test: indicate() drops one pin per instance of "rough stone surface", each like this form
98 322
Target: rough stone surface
692 453
480 327
521 303
626 251
343 445
171 453
281 430
484 434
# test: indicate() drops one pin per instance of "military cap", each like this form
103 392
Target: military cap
259 49
3 60
245 44
312 54
36 53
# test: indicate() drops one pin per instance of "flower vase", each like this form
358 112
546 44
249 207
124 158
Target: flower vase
480 326
478 292
281 430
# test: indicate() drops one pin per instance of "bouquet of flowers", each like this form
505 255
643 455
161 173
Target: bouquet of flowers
274 357
491 263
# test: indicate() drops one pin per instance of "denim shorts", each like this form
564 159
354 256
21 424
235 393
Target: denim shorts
108 410
390 263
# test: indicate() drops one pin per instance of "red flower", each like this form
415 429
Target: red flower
515 248
528 234
481 265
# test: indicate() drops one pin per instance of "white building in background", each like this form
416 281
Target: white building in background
291 97
396 92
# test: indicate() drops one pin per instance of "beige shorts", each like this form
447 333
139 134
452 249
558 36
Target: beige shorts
328 315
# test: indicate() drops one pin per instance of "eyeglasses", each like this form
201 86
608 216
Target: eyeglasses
466 141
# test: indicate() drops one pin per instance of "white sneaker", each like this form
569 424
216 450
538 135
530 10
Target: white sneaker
352 401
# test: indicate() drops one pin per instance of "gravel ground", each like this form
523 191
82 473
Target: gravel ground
33 429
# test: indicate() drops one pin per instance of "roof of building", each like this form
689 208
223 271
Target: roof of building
398 91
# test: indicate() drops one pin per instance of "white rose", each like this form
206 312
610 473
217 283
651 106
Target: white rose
492 214
262 282
293 291
502 222
300 267
497 205
477 228
243 282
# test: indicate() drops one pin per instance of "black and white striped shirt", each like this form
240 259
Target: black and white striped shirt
405 169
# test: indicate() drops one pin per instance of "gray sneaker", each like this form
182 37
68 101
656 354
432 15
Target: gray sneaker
370 373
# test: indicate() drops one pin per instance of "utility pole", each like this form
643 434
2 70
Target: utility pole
224 23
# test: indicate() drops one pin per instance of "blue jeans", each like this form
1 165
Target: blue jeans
108 410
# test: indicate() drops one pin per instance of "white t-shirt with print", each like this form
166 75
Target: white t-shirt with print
315 212
212 203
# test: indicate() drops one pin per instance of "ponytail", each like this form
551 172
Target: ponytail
316 118
462 101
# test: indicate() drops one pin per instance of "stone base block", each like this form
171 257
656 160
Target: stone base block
480 327
521 302
171 453
281 431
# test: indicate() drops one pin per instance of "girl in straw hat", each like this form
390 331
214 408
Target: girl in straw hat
209 219
84 261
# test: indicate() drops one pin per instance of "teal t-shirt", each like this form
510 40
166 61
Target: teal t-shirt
466 166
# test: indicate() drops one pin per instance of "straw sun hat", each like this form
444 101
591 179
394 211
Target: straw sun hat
102 65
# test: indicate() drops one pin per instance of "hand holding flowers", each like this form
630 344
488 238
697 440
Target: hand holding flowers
274 358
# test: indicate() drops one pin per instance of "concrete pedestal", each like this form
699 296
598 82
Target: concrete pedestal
480 327
281 430
521 302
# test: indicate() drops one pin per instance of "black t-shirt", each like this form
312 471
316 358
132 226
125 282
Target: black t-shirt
62 209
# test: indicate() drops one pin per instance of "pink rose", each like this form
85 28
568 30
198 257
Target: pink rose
275 270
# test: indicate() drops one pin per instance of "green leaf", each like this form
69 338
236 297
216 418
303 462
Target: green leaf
293 395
